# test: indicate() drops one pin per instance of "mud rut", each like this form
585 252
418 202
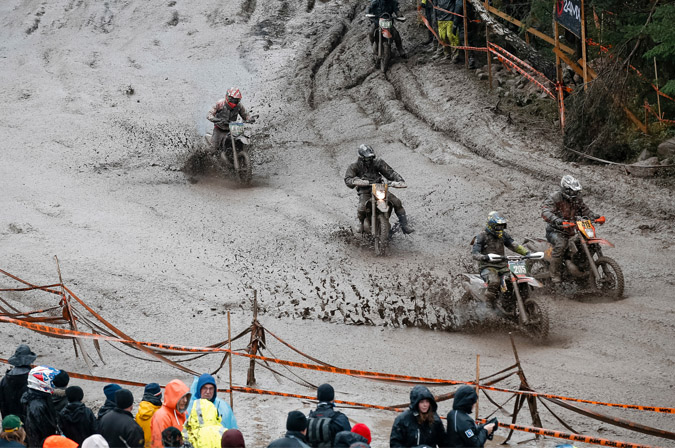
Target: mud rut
103 189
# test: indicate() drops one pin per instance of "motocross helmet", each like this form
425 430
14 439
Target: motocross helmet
366 154
233 96
496 224
570 187
41 378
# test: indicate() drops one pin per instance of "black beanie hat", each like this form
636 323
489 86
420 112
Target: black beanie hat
296 421
326 393
61 379
124 398
74 393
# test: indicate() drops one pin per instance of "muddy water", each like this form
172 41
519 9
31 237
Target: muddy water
91 173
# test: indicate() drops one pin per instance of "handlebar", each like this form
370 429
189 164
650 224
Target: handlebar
532 256
375 16
568 224
365 183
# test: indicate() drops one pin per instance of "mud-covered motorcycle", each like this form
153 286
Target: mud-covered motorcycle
385 38
233 153
583 264
514 300
376 223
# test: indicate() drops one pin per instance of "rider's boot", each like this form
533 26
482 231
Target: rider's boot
554 269
403 220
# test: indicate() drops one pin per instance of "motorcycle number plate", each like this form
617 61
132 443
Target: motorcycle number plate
237 129
518 267
385 23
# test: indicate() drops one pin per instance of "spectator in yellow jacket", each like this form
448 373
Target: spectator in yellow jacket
203 425
151 401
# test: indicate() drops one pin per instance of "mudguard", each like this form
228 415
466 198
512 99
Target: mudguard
532 281
599 241
386 33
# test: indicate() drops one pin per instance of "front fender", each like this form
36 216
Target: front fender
386 33
531 280
599 241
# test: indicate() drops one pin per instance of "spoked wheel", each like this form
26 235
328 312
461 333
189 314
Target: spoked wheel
538 322
611 281
245 171
386 56
382 235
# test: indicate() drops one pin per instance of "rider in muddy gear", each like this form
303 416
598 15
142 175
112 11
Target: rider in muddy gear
368 170
563 205
377 8
492 241
225 111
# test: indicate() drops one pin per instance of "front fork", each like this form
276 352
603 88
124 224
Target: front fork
235 158
379 43
374 230
591 261
519 301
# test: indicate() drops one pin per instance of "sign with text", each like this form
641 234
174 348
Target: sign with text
568 14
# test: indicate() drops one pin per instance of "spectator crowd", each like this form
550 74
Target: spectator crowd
40 409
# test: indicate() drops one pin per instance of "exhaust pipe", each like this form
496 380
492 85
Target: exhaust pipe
574 270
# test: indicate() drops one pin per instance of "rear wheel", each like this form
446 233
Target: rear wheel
611 281
382 234
386 56
245 171
537 315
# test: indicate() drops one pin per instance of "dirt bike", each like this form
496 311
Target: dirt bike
233 152
377 222
514 299
385 39
583 261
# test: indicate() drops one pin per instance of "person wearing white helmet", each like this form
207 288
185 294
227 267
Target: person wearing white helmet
225 111
41 417
563 205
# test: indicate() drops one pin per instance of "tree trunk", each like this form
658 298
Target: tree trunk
522 49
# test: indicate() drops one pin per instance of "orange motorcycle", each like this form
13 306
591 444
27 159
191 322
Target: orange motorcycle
583 264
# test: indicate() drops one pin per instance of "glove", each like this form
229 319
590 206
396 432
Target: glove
398 184
361 183
558 222
528 253
485 258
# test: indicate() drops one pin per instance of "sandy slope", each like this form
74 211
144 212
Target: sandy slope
91 172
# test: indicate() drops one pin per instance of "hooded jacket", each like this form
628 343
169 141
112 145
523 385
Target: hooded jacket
144 417
556 206
41 418
203 425
462 430
228 420
12 387
119 429
77 422
168 415
407 432
487 242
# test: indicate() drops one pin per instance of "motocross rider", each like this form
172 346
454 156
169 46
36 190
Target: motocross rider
377 8
492 241
367 170
563 205
226 110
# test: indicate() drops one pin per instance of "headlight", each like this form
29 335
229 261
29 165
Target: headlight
379 194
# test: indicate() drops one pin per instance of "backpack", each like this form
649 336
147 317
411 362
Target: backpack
320 432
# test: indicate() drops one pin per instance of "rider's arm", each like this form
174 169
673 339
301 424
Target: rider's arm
517 248
384 169
351 175
477 249
549 209
211 116
244 113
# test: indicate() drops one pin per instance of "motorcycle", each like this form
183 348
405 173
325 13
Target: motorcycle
514 299
385 39
233 152
583 261
377 222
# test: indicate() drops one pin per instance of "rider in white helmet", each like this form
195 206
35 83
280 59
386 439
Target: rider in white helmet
226 110
563 205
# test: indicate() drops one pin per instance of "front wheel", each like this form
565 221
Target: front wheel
610 283
537 315
386 56
382 234
245 171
